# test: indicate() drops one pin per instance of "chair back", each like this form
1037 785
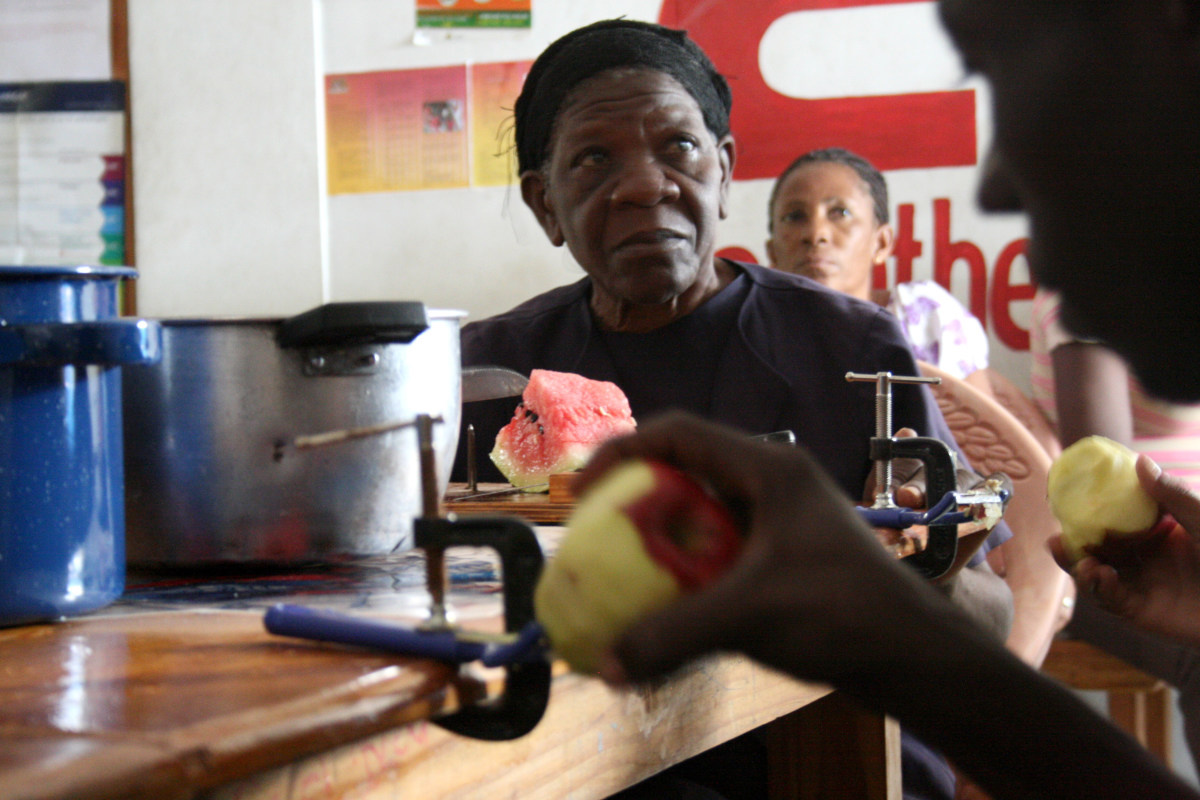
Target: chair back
1021 406
994 440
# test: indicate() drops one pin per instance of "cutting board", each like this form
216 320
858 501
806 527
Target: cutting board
551 507
158 704
178 687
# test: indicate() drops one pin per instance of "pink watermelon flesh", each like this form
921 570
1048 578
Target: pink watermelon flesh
562 418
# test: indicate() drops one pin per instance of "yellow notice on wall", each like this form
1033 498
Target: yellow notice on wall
474 13
494 90
398 130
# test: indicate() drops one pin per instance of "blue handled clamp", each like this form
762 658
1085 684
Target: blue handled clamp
521 653
526 647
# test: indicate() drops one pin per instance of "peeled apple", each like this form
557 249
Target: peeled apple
638 539
1094 492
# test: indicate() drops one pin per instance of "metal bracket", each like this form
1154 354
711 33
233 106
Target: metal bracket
527 685
940 471
319 362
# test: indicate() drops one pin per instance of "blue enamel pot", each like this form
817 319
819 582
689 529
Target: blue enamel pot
62 512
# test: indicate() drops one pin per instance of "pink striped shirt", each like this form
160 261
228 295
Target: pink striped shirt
1167 432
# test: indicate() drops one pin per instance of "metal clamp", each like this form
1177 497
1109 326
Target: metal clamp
940 471
527 685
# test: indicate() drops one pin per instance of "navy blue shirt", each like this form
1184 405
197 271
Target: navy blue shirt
776 360
768 353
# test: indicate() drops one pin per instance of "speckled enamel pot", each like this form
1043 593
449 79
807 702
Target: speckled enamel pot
61 472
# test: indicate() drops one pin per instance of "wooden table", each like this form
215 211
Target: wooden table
178 691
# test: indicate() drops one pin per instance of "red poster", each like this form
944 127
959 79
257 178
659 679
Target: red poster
930 129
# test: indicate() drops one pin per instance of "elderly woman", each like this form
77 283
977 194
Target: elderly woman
626 157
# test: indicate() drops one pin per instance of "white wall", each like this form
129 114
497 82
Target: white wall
228 156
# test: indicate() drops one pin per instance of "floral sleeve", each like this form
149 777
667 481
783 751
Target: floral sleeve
939 329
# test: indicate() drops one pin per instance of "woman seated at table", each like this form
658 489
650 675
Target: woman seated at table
828 220
625 156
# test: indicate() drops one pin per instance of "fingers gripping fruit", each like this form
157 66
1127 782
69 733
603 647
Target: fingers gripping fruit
1094 492
638 539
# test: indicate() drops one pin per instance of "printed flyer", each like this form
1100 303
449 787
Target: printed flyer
432 128
62 173
474 13
397 131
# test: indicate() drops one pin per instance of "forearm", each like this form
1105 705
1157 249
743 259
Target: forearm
1091 393
898 646
1015 733
984 597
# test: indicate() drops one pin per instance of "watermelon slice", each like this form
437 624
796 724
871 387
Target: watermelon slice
562 418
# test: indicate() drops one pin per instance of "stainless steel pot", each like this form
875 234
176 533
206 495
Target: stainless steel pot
212 475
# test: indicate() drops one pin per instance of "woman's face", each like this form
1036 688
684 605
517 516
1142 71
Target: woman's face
824 227
635 185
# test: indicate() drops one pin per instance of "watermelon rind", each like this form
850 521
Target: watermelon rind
562 419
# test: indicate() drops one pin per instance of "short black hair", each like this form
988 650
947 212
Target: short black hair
871 176
602 46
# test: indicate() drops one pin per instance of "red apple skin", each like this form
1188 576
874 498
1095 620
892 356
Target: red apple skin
640 537
684 528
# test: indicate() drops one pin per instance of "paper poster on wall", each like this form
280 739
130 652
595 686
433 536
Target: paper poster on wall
474 13
494 90
62 173
64 40
398 130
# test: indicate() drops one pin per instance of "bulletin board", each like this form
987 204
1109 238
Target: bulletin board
62 173
64 134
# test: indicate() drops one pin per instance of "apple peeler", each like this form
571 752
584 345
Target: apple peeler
520 651
985 503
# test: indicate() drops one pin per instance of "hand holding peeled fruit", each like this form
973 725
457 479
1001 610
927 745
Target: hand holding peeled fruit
1094 493
638 539
1147 565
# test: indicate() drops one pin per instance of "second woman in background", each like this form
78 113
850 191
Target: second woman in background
829 221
